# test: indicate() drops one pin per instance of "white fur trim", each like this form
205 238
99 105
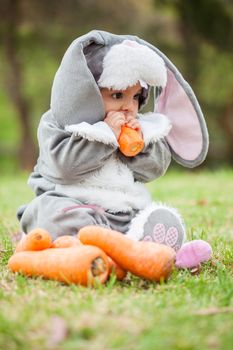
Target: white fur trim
129 62
100 132
154 126
135 231
112 188
114 201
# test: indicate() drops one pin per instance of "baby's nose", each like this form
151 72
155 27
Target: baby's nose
128 106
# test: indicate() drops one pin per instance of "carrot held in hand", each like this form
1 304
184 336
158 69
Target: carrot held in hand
130 141
37 239
148 260
80 264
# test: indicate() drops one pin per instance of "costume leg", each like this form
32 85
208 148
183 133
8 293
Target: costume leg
158 223
121 221
62 215
164 225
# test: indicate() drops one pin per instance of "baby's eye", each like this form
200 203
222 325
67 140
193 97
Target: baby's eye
137 97
117 95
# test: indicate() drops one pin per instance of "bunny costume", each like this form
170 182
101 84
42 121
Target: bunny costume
81 178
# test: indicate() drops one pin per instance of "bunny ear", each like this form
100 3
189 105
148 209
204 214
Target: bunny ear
188 139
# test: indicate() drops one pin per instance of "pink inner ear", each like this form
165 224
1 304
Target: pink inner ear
185 137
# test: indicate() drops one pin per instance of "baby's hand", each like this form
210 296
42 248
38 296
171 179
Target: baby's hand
115 120
133 123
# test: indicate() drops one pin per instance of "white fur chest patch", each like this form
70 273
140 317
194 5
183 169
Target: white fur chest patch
114 174
112 187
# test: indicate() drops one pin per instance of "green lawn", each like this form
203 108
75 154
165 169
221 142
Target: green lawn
186 313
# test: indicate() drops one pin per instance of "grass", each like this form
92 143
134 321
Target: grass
190 312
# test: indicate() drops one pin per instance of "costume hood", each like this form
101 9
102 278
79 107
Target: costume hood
76 96
129 62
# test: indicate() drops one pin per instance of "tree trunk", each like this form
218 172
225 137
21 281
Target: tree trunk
226 122
191 46
14 84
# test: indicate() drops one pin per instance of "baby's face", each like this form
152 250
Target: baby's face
125 101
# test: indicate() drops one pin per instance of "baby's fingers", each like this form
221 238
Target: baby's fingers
134 124
120 122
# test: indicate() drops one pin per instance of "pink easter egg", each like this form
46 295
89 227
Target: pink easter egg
193 253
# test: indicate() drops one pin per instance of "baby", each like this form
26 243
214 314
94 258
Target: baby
81 177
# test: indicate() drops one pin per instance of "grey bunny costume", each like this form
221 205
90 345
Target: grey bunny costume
81 178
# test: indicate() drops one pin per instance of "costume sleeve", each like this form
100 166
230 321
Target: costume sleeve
70 154
155 158
151 163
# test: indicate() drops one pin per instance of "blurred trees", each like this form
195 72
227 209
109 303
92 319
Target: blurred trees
39 25
195 35
15 84
204 23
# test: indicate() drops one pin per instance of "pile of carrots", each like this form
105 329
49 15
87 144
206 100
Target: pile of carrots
90 257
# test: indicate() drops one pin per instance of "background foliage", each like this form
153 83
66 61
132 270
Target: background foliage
195 35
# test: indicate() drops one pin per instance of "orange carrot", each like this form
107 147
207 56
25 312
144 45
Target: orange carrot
130 142
144 259
66 241
37 239
115 268
70 241
80 264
